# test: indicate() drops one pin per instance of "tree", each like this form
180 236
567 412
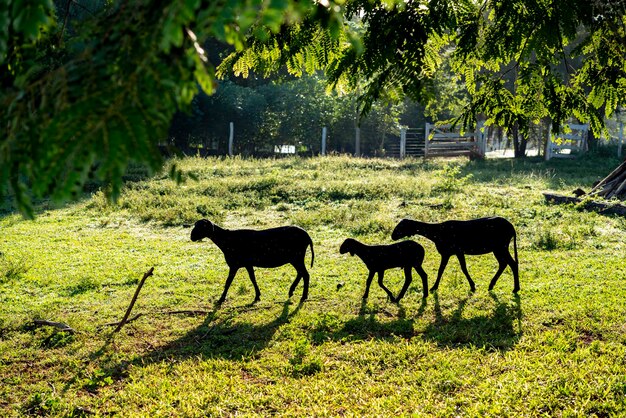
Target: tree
516 57
87 101
87 98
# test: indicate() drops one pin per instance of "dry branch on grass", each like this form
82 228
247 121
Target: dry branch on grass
613 185
59 325
134 299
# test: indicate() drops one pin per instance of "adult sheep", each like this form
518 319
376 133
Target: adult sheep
249 248
472 237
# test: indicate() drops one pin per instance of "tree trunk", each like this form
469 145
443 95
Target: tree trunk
519 141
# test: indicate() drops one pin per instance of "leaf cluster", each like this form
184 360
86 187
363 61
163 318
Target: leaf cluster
521 60
84 103
524 61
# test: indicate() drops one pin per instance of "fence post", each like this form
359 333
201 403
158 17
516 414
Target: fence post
481 138
231 137
323 151
357 142
426 135
620 140
549 144
402 142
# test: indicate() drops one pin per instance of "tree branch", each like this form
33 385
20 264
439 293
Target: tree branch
132 302
61 326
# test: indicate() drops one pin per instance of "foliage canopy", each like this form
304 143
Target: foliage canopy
88 86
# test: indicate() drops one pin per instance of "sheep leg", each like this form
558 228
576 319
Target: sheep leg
408 278
381 275
302 274
461 258
424 277
368 283
514 268
294 284
504 259
305 290
257 292
229 280
442 267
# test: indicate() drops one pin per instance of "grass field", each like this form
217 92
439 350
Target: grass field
558 349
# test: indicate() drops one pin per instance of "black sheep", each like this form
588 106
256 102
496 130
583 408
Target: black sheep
248 248
473 237
378 258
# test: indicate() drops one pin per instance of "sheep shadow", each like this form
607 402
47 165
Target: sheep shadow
219 336
499 330
367 326
223 337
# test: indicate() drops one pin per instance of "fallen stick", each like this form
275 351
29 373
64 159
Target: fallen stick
60 325
132 302
603 208
128 321
192 312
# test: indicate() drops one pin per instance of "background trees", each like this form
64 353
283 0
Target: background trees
287 112
86 97
89 86
521 61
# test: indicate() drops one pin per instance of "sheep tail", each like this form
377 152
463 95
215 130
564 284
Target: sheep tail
312 252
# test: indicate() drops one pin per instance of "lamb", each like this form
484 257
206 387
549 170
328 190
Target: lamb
473 237
378 258
247 248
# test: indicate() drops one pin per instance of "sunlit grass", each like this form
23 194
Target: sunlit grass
557 349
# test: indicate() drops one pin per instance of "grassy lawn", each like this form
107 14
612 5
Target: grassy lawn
557 349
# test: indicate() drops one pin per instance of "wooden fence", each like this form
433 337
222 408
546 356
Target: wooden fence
443 140
567 145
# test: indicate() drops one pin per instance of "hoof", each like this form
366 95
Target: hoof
516 290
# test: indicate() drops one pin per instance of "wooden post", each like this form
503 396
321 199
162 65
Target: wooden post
426 139
357 142
481 138
402 142
620 140
231 137
549 144
323 151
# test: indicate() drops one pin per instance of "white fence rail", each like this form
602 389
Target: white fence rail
442 140
566 145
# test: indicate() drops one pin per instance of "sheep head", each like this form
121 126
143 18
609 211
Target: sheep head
202 229
405 228
347 247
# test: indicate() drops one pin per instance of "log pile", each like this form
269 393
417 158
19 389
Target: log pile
612 186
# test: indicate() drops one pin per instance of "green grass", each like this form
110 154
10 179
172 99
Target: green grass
559 349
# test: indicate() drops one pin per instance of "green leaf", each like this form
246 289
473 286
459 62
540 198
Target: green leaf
28 21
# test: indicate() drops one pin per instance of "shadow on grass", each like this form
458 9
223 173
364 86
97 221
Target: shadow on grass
557 172
498 330
221 337
217 336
